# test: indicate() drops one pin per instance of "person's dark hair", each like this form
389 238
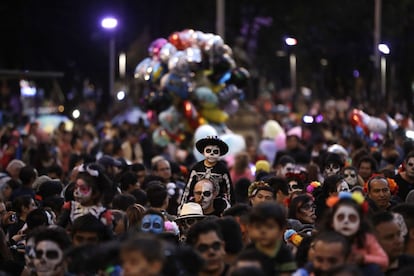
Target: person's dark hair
278 184
123 201
240 190
56 234
368 159
268 210
126 179
27 174
90 223
408 156
137 167
55 169
364 226
140 196
329 186
36 218
237 210
156 194
301 256
296 203
203 227
20 202
232 234
247 271
334 237
381 217
151 247
406 270
407 211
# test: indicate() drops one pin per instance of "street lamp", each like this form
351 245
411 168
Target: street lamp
385 50
290 41
110 23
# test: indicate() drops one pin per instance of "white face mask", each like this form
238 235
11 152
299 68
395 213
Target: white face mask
331 169
346 220
342 187
212 153
82 192
49 258
350 177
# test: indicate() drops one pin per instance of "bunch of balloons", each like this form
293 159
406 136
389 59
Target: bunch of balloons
191 79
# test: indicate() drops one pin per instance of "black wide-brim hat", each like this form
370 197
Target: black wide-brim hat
212 141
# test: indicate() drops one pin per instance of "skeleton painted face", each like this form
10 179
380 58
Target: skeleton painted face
294 186
342 186
48 258
331 169
212 153
350 177
288 168
203 193
82 192
346 220
152 223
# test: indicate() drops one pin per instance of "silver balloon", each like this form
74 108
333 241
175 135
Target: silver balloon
178 63
166 52
143 71
193 54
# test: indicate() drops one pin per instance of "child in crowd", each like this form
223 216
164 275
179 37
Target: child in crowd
266 226
346 216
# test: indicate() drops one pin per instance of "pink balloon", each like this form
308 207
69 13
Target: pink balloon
280 141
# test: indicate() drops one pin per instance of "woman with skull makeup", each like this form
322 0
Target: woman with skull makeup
210 168
347 216
91 187
352 177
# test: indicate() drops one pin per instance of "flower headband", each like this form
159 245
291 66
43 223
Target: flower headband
356 196
256 186
312 186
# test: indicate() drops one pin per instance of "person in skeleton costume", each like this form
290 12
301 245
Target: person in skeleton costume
348 217
210 168
333 164
49 246
91 185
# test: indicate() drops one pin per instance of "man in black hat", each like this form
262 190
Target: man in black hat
210 168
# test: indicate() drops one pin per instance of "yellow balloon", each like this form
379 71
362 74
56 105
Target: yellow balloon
214 115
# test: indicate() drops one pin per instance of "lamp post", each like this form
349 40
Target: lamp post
385 50
110 24
290 41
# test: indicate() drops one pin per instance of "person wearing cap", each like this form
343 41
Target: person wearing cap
189 215
210 168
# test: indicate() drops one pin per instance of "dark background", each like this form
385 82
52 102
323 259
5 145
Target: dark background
66 36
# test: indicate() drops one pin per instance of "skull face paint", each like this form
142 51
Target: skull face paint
350 177
152 223
82 192
48 258
294 186
342 186
212 154
203 193
331 169
346 220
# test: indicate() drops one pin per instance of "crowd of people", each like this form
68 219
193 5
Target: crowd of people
109 201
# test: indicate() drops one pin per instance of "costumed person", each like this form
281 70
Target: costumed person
91 185
348 217
210 168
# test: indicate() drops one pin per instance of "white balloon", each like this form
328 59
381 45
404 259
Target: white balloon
235 142
203 131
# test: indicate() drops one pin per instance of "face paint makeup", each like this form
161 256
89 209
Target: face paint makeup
203 193
48 258
350 176
152 223
212 153
346 220
82 192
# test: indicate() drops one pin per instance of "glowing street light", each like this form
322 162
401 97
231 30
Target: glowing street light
110 23
385 50
290 41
